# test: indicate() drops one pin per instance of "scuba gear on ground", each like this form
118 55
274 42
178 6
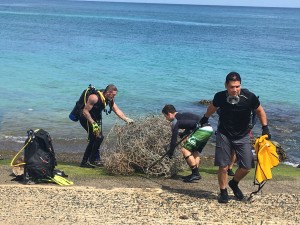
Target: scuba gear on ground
76 113
61 180
39 155
60 173
266 131
96 129
39 158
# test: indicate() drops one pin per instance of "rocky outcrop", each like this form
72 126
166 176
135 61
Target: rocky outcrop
205 102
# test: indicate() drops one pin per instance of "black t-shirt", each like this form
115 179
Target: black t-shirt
234 119
187 121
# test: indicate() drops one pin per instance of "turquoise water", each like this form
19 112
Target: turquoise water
154 53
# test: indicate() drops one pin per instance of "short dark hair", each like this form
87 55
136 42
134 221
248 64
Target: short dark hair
168 109
110 87
233 76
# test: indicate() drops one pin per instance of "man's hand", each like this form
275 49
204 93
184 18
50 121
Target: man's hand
266 131
181 134
96 129
129 121
203 120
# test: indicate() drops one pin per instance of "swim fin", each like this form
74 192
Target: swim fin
61 180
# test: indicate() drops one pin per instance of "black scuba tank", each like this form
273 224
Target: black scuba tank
77 110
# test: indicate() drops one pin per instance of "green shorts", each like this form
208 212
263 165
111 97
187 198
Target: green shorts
198 140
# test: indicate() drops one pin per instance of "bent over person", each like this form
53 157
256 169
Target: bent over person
236 105
91 121
197 138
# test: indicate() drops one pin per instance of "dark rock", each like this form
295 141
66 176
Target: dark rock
205 102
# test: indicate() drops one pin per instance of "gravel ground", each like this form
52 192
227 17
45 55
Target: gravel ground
139 200
88 205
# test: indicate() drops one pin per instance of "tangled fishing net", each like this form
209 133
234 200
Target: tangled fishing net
134 147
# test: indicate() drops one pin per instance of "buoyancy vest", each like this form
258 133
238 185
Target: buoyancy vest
96 112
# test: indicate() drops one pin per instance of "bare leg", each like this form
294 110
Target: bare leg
240 174
233 159
222 177
191 160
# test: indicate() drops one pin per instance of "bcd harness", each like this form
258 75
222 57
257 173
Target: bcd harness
76 113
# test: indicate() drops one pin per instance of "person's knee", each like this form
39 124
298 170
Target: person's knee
99 138
223 169
244 170
184 151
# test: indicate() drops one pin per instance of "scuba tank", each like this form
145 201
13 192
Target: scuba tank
77 110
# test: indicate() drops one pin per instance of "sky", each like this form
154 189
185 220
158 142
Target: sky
263 3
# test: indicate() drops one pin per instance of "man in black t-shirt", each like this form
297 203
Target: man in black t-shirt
236 106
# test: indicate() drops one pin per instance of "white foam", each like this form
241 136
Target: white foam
291 164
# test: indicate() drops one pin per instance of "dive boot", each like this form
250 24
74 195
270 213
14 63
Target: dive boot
223 196
192 177
87 165
97 163
236 191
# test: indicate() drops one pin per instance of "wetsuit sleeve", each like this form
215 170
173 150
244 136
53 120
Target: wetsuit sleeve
216 102
255 102
175 128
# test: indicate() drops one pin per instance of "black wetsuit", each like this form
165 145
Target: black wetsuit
187 121
92 150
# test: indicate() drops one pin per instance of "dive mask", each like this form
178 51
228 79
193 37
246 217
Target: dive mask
233 100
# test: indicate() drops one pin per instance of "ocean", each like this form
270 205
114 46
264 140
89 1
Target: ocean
155 54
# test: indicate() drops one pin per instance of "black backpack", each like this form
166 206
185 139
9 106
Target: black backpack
39 156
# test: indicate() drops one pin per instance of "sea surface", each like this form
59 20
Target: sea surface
156 54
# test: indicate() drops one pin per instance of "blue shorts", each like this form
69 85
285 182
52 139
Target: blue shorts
242 147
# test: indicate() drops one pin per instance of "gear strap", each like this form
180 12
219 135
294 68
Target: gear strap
188 156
